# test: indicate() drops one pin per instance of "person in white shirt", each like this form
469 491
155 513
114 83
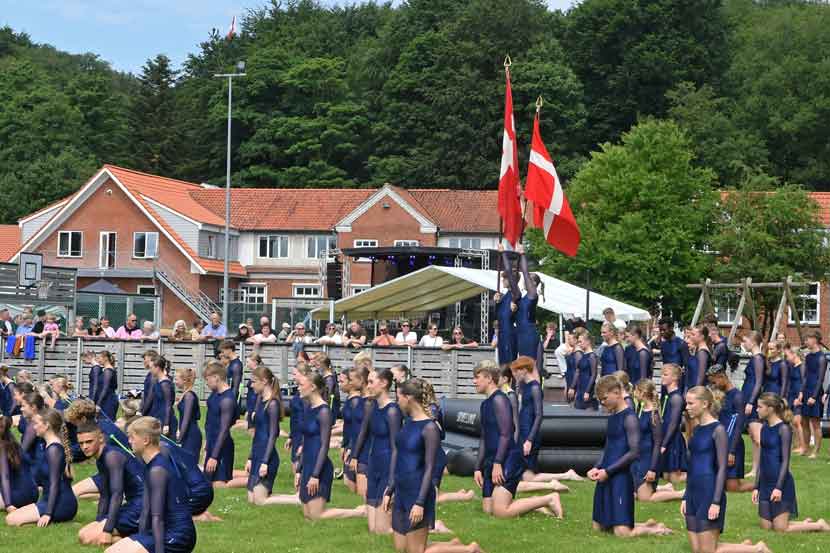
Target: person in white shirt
148 331
105 326
264 337
332 336
611 317
431 340
299 335
406 337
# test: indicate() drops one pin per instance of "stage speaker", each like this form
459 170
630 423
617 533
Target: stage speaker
334 280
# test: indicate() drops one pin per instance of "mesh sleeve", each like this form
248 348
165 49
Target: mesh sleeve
785 432
594 366
536 397
619 357
158 503
227 410
657 439
27 440
504 420
363 435
331 384
736 425
703 359
438 417
511 276
272 411
115 464
822 368
719 437
684 353
93 382
432 441
632 436
324 418
168 398
532 293
394 418
5 478
12 401
189 401
643 358
55 461
785 379
144 521
106 387
147 395
236 379
674 421
758 368
514 405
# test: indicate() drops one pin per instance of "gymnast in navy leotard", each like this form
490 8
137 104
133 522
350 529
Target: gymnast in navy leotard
378 432
639 364
149 358
17 486
614 492
7 401
774 491
107 384
815 367
506 307
500 464
751 389
673 349
94 374
233 365
528 342
613 355
795 395
361 408
699 362
530 412
57 503
221 413
733 419
353 403
164 397
164 526
673 447
252 361
122 488
570 366
264 461
585 376
314 481
189 434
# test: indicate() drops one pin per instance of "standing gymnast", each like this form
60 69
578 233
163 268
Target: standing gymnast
164 525
17 487
639 363
614 493
57 502
361 407
149 357
8 406
586 372
613 356
751 389
323 364
795 396
733 419
673 349
252 361
812 407
88 358
646 469
499 466
378 432
347 413
774 486
412 499
673 447
190 435
505 314
107 384
122 488
316 470
164 396
699 362
704 503
296 407
777 373
528 342
572 355
221 412
233 365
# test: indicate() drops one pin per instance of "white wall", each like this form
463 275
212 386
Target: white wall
297 249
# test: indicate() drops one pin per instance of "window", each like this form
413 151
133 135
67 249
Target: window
807 303
273 246
145 245
726 305
406 243
317 246
365 243
107 250
358 288
210 248
253 293
466 243
70 243
306 291
146 290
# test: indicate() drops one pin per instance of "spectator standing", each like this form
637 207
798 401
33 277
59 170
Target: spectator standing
265 336
109 332
431 339
283 335
355 336
611 317
550 340
6 327
384 338
406 337
459 341
129 330
332 336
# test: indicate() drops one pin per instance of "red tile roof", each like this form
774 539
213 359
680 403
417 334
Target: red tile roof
460 210
823 201
9 241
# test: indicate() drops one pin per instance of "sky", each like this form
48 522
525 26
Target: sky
128 32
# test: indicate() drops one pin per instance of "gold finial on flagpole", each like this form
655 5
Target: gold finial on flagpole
539 103
507 61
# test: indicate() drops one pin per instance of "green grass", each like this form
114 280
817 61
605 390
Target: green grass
248 529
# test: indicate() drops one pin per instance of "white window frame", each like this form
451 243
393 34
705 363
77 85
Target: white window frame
730 308
279 253
210 250
146 234
331 243
365 243
357 288
459 242
816 297
139 287
101 262
245 285
407 243
299 285
69 249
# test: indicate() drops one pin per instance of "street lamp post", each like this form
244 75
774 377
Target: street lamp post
240 66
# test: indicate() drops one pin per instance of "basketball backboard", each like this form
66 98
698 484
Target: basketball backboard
30 269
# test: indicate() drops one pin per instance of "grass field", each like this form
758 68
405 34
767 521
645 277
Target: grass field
249 529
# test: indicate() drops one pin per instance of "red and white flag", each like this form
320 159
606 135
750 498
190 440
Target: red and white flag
510 208
232 30
551 210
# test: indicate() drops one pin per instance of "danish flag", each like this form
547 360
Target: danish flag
510 208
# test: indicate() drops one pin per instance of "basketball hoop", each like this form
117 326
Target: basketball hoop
43 287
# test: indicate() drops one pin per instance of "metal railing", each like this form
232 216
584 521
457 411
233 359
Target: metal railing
195 299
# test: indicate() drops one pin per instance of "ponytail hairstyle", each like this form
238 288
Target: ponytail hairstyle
264 373
755 337
625 380
319 384
363 360
606 384
582 332
415 389
508 374
705 394
324 362
35 399
67 385
81 411
704 331
774 351
430 393
8 445
88 356
540 285
54 420
106 354
255 357
635 330
648 392
188 376
385 375
609 327
163 364
776 403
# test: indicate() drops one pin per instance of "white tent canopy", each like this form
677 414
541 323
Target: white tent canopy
435 287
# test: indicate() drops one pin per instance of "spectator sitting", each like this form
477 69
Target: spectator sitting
355 336
6 328
95 328
41 320
180 332
109 332
264 337
129 330
286 330
332 336
215 330
459 341
431 339
611 317
79 331
196 331
148 331
243 334
550 340
51 329
406 337
299 335
384 338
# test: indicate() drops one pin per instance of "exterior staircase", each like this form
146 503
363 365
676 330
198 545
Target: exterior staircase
198 301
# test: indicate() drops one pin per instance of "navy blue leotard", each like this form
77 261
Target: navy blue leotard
263 446
774 472
164 396
754 379
17 487
107 392
497 444
190 435
530 421
57 499
674 458
221 412
122 490
733 419
705 485
815 366
314 461
614 498
417 443
651 438
378 433
585 378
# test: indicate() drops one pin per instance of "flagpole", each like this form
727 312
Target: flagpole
539 103
507 63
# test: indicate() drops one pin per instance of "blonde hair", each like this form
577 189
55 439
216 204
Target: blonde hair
54 420
705 394
215 368
609 327
488 366
146 427
625 380
776 403
67 385
673 369
606 384
188 376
